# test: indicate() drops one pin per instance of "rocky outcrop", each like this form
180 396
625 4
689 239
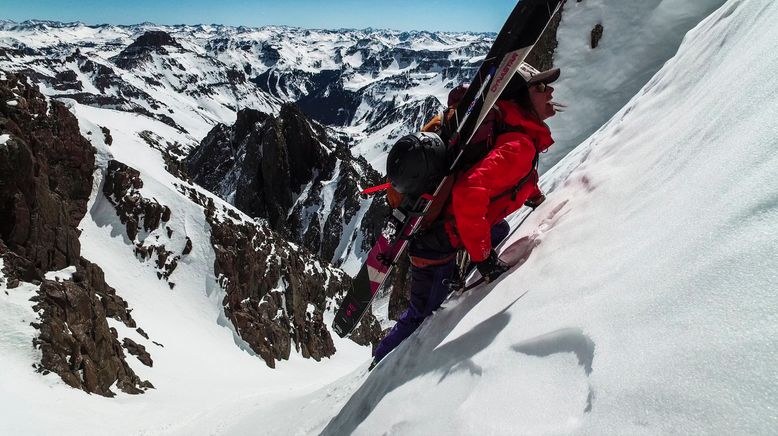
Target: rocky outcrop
67 79
77 342
153 41
287 170
277 292
542 55
121 187
138 351
596 35
138 214
46 171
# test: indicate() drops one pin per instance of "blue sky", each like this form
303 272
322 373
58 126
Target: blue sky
453 15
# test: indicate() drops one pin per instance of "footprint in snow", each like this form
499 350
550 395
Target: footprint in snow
568 340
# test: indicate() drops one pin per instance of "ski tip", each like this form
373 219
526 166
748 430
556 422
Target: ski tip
340 330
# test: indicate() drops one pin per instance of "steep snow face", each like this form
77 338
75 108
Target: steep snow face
646 300
637 38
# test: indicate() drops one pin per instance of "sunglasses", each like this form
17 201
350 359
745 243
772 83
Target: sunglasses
541 87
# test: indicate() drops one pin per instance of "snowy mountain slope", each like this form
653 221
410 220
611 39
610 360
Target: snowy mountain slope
193 308
647 304
138 68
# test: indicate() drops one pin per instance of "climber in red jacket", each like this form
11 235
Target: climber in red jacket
496 186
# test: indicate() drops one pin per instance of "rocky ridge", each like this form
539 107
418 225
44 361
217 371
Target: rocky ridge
277 292
288 170
46 169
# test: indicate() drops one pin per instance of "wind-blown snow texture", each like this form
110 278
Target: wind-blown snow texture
646 304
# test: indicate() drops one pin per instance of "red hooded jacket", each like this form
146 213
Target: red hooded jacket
482 195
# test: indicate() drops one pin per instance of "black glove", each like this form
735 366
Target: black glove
535 201
491 267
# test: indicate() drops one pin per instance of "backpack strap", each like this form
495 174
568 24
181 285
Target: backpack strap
506 128
525 179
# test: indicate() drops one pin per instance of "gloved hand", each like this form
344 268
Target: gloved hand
535 201
491 267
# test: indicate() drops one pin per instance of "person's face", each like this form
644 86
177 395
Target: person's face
540 95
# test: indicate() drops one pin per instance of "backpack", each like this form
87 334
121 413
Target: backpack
480 145
430 160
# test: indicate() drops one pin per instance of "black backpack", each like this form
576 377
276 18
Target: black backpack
418 162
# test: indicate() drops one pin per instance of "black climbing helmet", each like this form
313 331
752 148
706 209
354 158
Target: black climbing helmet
416 163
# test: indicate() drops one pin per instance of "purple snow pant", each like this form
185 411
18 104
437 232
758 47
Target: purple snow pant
428 284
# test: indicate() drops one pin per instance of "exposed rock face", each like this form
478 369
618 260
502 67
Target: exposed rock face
286 170
67 80
121 188
138 351
596 35
46 168
46 171
276 292
137 213
77 342
140 50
